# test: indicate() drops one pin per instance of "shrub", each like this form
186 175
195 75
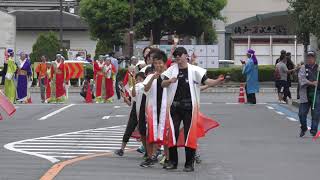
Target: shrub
47 44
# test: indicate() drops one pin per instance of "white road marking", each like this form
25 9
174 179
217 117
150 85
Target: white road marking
55 112
79 141
110 139
117 116
69 150
278 112
63 153
105 117
206 103
292 119
77 144
269 107
70 145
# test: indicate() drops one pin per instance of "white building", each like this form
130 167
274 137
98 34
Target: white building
7 34
30 23
262 25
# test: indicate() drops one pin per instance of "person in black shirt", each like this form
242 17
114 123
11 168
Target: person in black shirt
182 108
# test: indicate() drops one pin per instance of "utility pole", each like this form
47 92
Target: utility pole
61 26
131 29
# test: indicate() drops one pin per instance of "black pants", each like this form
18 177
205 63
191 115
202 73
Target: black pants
117 86
179 115
288 88
142 116
251 98
4 72
283 88
131 125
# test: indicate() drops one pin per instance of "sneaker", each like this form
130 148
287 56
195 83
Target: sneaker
171 166
188 168
154 159
162 161
141 150
197 158
119 152
165 164
302 133
147 163
282 102
313 134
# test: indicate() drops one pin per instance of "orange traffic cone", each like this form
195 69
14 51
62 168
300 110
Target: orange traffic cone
89 95
241 94
317 136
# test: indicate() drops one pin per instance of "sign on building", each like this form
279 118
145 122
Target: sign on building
72 53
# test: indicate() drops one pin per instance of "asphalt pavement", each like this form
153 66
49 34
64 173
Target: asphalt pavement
253 142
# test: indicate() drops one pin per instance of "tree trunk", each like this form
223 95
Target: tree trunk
156 34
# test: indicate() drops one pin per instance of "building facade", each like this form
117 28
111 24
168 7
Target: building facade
264 26
30 23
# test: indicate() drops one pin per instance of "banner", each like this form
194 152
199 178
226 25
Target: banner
76 69
72 53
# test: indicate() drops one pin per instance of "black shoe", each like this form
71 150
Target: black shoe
147 163
119 152
154 159
302 133
171 166
313 134
188 168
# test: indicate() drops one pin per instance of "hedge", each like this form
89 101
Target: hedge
235 73
266 73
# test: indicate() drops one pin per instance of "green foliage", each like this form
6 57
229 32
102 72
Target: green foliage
265 73
47 44
306 17
103 47
109 19
186 17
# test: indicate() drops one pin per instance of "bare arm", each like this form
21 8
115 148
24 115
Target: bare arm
214 82
125 99
204 87
147 87
167 82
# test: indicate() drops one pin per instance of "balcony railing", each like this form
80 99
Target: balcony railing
36 3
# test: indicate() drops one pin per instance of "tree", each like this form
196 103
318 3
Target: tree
107 19
306 17
103 47
185 17
47 44
163 17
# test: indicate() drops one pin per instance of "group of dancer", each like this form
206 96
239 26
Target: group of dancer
53 79
18 78
163 94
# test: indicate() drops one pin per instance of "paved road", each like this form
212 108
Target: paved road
253 142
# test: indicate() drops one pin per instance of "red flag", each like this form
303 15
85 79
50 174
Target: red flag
204 125
126 83
6 105
89 94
